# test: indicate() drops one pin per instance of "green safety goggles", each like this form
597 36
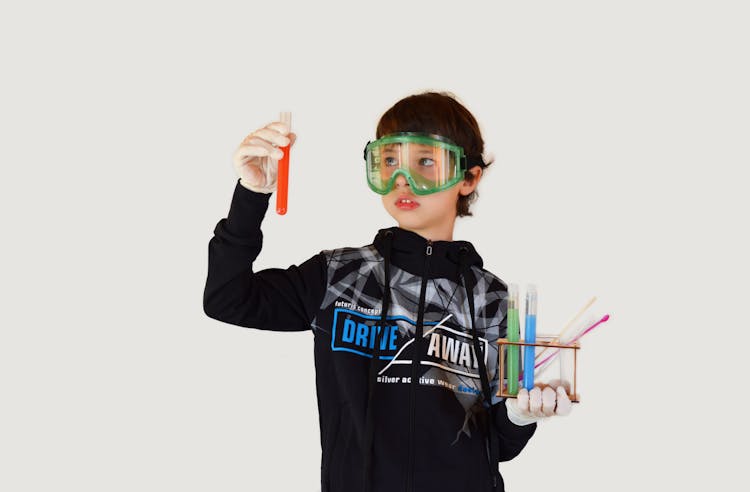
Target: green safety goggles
429 163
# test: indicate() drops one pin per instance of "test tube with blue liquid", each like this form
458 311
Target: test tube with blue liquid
530 337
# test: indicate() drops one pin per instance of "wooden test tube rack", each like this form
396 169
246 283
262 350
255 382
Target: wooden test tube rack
503 342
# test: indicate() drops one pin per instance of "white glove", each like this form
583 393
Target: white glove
256 159
532 406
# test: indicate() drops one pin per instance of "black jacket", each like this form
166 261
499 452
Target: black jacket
402 408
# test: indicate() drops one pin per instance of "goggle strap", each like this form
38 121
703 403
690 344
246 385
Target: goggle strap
472 161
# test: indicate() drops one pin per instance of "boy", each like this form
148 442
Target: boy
404 328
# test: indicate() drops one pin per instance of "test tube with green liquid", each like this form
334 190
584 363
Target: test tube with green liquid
513 334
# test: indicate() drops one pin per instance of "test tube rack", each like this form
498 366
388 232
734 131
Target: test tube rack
543 342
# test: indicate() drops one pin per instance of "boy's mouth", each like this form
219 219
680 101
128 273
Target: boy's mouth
406 203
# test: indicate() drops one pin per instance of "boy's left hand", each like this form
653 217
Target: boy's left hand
541 402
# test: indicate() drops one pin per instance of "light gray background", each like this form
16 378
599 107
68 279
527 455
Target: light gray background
620 136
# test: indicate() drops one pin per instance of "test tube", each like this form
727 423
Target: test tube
530 337
282 187
513 334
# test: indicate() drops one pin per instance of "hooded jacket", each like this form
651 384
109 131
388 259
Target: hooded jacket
404 403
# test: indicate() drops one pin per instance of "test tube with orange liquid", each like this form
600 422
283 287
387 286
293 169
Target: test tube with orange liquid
282 186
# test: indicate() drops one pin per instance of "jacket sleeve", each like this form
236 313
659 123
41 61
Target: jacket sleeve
272 299
513 438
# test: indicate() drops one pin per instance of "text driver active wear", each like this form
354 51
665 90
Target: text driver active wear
404 401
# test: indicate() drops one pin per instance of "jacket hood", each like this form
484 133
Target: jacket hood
408 251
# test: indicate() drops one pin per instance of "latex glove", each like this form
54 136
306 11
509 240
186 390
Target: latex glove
251 159
532 406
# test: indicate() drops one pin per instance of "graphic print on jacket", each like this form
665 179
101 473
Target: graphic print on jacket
447 358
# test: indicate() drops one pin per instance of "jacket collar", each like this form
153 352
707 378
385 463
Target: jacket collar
408 252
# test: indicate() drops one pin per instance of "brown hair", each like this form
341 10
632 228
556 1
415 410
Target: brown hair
439 113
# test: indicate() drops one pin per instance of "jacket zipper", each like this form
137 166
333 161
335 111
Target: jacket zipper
418 333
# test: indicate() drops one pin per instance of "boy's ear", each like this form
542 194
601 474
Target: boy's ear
466 187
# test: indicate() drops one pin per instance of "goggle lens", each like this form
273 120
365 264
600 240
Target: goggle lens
429 166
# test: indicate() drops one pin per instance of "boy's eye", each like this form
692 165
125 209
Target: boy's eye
390 161
426 162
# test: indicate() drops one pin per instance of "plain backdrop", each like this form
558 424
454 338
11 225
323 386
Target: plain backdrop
619 132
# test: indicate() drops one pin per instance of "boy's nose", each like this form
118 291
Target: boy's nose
400 181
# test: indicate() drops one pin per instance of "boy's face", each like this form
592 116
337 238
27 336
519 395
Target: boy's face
431 216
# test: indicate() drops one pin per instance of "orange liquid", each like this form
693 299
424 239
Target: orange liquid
282 187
